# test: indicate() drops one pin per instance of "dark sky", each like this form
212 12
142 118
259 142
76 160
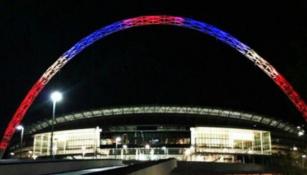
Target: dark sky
156 64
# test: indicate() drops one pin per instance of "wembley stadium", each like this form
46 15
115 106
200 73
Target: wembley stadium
188 134
159 132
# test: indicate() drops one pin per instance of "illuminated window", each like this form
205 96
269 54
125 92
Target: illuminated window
67 142
211 139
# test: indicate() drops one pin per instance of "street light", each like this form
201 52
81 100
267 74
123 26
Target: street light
124 151
117 140
303 160
83 148
301 133
56 96
21 129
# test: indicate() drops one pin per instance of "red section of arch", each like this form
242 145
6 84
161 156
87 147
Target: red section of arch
292 94
150 20
19 114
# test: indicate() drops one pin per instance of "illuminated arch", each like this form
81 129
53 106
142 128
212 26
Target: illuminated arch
142 21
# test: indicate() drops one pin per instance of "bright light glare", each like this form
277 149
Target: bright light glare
56 96
125 146
300 133
118 139
187 152
19 127
34 157
147 146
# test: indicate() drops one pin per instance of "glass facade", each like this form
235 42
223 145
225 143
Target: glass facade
79 141
229 140
154 138
141 143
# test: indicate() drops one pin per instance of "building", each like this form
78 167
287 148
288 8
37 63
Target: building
155 132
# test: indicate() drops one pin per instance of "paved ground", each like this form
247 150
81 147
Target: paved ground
93 170
202 168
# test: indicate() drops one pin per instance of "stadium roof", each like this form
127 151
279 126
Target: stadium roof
138 110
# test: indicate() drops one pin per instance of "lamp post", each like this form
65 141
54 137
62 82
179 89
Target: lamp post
83 148
303 160
147 147
21 129
56 96
117 140
301 133
164 151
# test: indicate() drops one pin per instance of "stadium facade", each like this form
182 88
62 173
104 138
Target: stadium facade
155 132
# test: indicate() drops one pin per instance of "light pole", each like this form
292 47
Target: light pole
83 148
56 96
164 151
123 151
303 160
147 147
21 129
117 140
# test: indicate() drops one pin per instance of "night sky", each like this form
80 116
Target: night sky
154 65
